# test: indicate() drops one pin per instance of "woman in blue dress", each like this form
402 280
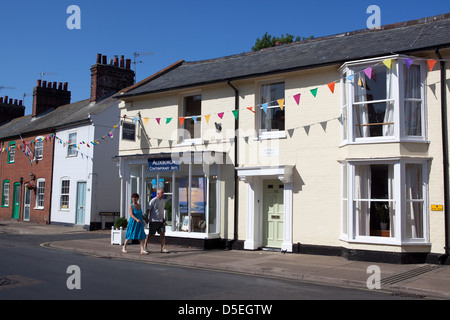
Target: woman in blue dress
135 227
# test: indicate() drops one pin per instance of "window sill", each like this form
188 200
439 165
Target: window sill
266 135
386 241
380 141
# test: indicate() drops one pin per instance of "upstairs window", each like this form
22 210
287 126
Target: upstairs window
12 152
38 148
72 145
271 117
191 111
383 102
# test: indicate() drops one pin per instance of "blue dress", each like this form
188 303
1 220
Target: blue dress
135 230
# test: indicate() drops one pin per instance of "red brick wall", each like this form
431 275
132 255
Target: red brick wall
20 172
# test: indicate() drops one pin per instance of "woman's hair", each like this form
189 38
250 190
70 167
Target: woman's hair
135 195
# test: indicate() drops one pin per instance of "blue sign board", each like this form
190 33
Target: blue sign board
162 165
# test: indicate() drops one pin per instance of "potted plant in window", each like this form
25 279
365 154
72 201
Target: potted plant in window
119 231
383 212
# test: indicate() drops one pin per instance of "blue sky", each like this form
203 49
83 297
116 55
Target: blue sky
34 37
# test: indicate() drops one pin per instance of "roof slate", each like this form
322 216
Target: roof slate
400 38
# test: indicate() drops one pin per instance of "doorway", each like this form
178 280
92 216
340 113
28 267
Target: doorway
273 213
26 204
81 202
16 201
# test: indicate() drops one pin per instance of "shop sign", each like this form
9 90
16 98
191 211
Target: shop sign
162 165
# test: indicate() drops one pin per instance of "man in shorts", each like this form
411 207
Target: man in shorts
155 218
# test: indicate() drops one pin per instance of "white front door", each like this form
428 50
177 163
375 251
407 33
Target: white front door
81 202
273 213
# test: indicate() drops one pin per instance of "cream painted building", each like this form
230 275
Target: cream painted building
331 146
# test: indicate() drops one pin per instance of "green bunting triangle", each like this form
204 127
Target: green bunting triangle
314 92
235 113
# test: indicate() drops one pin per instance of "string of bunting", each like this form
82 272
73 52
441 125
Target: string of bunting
89 143
369 72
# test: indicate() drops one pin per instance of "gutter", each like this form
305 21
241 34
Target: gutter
443 258
236 179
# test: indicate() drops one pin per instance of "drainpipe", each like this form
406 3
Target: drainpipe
442 258
236 180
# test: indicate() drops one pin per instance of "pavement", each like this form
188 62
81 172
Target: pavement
408 280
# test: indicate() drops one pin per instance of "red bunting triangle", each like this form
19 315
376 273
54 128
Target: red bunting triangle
431 64
181 120
331 86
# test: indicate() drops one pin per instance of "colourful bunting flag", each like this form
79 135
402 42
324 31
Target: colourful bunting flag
251 109
368 72
181 120
281 103
388 63
264 106
431 64
360 83
235 113
207 116
168 120
297 98
350 77
145 121
331 86
220 115
158 120
408 62
314 92
194 118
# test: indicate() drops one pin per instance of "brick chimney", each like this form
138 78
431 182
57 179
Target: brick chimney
48 96
10 109
107 79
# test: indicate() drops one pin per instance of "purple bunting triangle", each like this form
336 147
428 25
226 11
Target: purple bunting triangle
368 72
408 62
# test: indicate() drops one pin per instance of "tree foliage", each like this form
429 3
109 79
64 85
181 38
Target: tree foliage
268 40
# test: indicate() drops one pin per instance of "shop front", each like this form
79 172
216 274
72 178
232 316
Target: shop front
192 189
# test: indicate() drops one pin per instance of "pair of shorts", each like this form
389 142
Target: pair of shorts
154 227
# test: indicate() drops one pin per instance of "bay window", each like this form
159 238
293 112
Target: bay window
384 201
382 103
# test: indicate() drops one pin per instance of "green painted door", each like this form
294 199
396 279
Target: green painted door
16 201
273 213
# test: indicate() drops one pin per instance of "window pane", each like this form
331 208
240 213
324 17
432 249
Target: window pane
213 223
374 119
414 201
273 119
413 118
412 82
378 87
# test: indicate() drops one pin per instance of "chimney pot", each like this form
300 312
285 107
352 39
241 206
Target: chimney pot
99 58
128 64
54 85
6 99
44 84
39 82
103 59
15 101
20 102
122 61
116 61
10 101
65 86
60 86
1 100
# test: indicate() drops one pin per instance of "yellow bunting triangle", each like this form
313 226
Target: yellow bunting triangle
281 103
145 121
207 116
388 63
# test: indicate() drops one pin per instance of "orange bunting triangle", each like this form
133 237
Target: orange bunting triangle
251 109
207 116
331 86
181 120
431 64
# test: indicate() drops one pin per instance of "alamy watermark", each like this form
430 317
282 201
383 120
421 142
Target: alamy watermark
374 280
74 20
374 21
74 280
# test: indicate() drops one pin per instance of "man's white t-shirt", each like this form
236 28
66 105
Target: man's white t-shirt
156 208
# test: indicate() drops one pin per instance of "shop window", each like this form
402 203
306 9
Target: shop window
192 204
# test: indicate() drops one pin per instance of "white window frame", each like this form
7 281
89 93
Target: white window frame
264 133
349 231
39 148
63 194
348 135
71 145
39 194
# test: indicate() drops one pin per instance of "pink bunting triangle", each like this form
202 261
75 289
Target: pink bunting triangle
158 120
368 72
220 115
297 98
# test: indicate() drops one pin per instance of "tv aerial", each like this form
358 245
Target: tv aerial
42 74
4 87
136 55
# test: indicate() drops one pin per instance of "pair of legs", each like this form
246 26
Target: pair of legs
141 244
162 237
160 228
